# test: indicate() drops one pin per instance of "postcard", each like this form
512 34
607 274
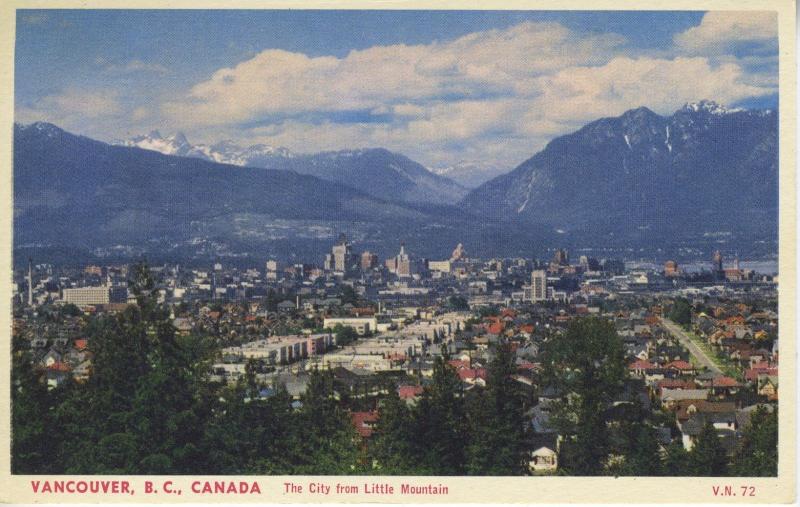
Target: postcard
398 252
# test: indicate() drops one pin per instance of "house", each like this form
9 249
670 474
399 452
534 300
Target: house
544 457
409 394
768 386
671 397
57 373
364 422
473 376
681 366
639 367
724 424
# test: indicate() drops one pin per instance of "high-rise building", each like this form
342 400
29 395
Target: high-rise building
30 282
341 260
458 253
369 261
717 261
401 264
561 257
671 269
538 285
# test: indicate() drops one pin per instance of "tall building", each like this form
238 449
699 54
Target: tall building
369 261
717 261
271 269
716 266
401 264
561 258
341 259
538 286
671 269
458 253
30 282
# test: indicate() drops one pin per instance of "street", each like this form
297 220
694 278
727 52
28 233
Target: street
687 342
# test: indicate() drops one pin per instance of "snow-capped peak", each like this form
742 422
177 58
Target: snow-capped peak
709 106
224 152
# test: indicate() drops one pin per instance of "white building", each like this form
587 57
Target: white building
362 325
89 296
538 291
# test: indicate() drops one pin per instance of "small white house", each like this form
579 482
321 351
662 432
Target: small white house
544 459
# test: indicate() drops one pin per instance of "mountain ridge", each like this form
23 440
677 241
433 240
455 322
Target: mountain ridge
641 169
377 171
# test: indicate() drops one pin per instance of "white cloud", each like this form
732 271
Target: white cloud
497 95
720 29
495 62
134 67
494 97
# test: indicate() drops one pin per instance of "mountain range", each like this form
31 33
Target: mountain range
703 178
377 172
703 170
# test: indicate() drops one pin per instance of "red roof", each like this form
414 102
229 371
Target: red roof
680 365
495 328
458 363
641 364
59 366
364 422
527 328
761 365
508 312
81 343
472 374
752 374
409 392
724 382
526 365
674 383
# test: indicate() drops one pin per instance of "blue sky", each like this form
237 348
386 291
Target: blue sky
442 87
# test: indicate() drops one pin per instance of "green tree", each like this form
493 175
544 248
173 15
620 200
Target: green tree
439 421
757 456
458 303
587 361
345 335
681 312
707 458
30 418
497 435
326 441
675 460
393 440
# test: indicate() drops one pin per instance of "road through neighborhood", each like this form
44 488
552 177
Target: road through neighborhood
687 342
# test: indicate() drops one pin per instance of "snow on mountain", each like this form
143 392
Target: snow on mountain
224 152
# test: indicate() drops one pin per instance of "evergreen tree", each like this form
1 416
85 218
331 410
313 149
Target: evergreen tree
326 441
675 460
587 361
30 418
757 456
497 443
707 458
440 424
681 312
393 439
